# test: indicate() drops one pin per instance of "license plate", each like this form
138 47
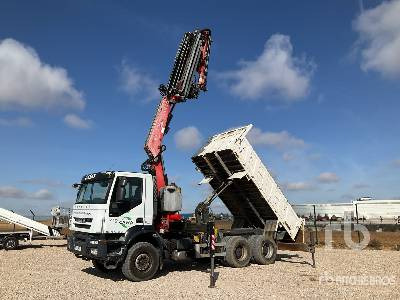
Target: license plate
78 248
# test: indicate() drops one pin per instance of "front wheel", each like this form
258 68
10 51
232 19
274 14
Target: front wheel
141 262
10 243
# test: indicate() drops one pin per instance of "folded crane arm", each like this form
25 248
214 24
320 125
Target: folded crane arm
187 79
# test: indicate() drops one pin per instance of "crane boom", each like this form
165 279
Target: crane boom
192 57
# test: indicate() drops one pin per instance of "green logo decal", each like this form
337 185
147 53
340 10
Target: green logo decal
126 222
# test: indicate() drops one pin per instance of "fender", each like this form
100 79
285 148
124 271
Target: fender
143 233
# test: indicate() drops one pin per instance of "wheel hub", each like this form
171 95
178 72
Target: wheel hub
10 244
143 262
239 253
266 250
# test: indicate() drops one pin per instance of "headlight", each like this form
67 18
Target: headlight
93 251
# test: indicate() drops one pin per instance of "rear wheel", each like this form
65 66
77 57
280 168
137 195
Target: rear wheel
263 249
10 243
141 262
238 252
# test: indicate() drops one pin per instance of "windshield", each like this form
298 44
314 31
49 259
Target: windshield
93 192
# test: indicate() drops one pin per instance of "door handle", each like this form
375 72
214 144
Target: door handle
139 220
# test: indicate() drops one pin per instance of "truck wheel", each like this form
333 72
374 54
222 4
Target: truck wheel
99 265
263 249
10 243
141 262
238 252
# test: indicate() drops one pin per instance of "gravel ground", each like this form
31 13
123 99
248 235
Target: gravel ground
48 270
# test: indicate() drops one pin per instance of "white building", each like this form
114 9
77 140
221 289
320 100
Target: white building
370 209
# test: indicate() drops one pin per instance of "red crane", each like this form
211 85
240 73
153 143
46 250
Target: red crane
192 57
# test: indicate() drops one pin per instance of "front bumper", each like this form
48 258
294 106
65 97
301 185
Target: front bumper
94 247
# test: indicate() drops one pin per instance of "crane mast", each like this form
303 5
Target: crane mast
192 57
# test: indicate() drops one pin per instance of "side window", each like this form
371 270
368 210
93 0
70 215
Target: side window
132 196
133 191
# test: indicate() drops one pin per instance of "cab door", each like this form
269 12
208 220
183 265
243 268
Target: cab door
127 207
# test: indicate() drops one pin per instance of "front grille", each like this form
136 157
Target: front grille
83 220
85 226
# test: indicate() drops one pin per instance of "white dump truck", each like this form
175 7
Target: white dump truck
131 220
116 218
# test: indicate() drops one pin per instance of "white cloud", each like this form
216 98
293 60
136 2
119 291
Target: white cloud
43 181
28 83
275 72
360 185
138 84
75 121
379 42
42 194
280 140
288 156
17 122
314 156
10 192
188 138
396 163
328 177
298 186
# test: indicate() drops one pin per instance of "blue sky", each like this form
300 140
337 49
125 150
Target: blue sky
319 80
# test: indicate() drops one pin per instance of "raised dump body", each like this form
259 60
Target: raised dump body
253 197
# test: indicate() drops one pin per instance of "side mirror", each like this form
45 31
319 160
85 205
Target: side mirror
120 193
122 181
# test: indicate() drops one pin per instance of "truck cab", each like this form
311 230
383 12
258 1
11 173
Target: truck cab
112 210
112 202
119 221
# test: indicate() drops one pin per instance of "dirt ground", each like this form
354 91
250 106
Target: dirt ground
378 240
47 270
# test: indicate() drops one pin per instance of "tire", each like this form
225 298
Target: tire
224 262
99 265
10 243
263 249
142 262
238 252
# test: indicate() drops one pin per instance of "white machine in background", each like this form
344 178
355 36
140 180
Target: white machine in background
10 240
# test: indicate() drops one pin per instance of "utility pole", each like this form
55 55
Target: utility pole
315 226
358 232
33 214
